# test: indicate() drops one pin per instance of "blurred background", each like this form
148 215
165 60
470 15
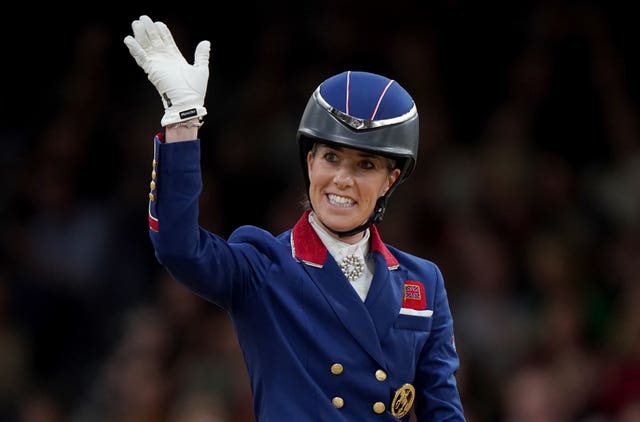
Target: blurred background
526 194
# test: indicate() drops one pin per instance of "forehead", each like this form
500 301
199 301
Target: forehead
349 151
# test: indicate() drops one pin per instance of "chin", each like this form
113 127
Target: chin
339 223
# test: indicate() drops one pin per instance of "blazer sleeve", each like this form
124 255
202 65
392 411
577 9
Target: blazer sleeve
437 396
206 263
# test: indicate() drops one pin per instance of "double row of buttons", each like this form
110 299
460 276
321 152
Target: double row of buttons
338 402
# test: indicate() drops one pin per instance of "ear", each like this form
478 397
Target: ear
391 179
309 160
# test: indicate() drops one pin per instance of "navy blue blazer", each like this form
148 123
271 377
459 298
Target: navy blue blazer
314 351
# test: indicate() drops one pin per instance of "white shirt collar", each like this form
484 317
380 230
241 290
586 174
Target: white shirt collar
337 248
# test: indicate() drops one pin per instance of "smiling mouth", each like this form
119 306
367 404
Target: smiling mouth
340 201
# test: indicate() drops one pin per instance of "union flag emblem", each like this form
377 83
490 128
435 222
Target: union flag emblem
413 296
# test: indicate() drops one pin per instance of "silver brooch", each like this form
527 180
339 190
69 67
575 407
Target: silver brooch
352 267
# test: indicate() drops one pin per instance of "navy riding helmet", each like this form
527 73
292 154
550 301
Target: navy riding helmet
365 111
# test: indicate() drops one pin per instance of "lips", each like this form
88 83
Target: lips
340 201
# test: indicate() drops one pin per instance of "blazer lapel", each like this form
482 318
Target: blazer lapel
348 307
385 295
343 299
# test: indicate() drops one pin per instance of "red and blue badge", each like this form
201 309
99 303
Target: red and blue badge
413 296
414 299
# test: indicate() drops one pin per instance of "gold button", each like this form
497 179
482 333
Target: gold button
378 407
152 185
154 163
154 174
338 402
381 375
336 369
152 197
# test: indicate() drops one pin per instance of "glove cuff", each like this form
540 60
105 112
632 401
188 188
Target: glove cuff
175 116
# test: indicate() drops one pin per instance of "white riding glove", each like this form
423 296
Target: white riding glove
181 86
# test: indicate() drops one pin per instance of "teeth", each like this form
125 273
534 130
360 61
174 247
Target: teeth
340 201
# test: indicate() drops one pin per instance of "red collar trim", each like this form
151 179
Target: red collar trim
307 246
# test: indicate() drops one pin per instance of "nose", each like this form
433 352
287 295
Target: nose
343 177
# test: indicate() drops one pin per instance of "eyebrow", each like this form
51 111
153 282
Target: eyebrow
363 154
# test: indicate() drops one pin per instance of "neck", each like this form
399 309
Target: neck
350 236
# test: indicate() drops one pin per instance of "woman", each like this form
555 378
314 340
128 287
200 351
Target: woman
334 324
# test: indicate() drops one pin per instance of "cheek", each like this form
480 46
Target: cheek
316 178
311 172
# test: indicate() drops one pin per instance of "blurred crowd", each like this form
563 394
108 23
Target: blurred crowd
526 194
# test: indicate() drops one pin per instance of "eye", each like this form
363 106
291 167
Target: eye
330 157
367 165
